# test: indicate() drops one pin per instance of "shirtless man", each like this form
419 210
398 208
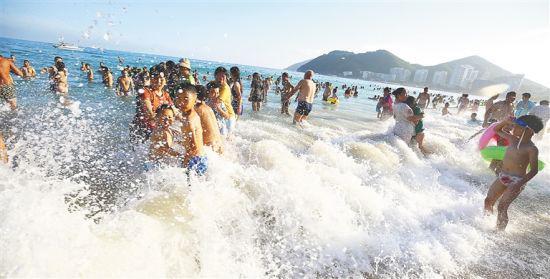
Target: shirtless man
107 77
89 72
306 89
520 154
423 99
191 130
125 84
489 102
211 131
285 93
7 88
499 111
27 70
327 92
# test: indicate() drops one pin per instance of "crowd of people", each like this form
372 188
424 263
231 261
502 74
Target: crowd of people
178 117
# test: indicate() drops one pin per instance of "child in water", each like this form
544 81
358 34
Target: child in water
162 139
379 106
419 124
520 153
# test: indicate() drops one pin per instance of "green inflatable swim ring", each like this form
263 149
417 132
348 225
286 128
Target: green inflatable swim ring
490 153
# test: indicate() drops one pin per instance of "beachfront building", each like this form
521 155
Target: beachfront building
440 78
420 76
377 76
401 74
347 73
462 76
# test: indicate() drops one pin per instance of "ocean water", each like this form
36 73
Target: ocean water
340 197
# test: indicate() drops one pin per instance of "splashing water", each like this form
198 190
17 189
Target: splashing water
339 198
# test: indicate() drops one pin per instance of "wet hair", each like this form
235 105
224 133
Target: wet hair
473 114
464 95
411 102
60 66
57 58
212 84
510 94
164 107
285 74
398 91
528 95
533 122
447 104
170 64
426 88
387 89
25 61
186 87
543 103
220 70
202 95
235 71
255 75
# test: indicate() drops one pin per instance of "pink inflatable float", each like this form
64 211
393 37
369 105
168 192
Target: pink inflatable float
487 136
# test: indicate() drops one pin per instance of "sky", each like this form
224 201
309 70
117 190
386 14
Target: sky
277 33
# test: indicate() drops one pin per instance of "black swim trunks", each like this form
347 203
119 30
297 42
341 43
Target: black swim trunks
304 108
7 91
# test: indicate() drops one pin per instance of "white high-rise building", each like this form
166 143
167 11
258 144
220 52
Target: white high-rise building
460 76
401 74
440 78
347 73
420 76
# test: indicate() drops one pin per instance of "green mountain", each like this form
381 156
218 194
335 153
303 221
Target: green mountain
380 61
294 67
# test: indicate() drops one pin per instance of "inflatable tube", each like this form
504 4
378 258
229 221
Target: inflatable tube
490 153
333 101
487 136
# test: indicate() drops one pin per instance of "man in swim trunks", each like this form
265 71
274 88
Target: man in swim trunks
306 89
285 93
520 154
27 70
125 84
191 130
499 111
423 99
7 87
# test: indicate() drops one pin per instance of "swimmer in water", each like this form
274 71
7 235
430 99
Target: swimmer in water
306 89
162 139
107 77
191 130
210 130
7 87
520 153
28 70
125 84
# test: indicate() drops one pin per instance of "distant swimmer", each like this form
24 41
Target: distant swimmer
191 130
161 150
28 70
285 93
89 72
125 84
500 111
418 124
306 89
423 99
463 103
7 87
520 153
210 130
327 92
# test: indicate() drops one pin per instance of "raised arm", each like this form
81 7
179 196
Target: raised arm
15 70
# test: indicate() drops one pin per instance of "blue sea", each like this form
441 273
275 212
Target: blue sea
339 197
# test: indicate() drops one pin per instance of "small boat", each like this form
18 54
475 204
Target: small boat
66 46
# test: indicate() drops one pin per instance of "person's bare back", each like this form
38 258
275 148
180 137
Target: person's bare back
7 87
306 90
